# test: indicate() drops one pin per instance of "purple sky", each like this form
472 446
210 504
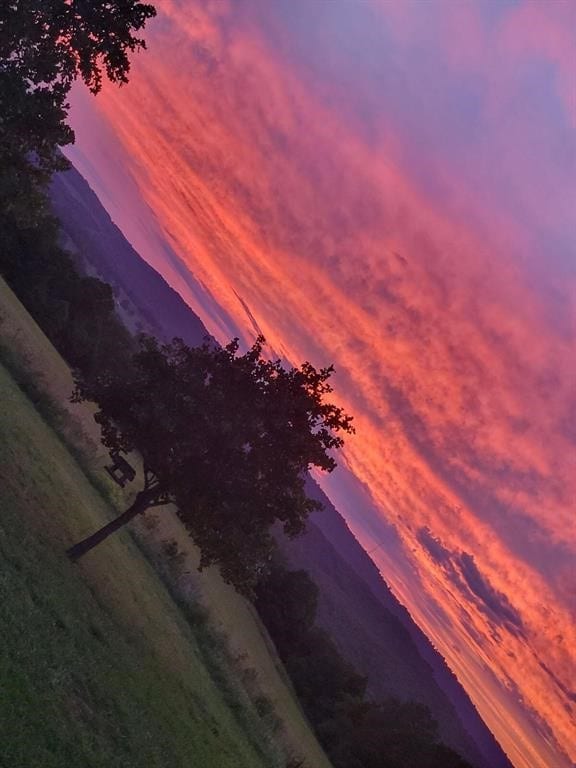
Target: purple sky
391 186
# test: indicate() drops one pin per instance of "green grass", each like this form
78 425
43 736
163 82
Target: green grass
21 334
248 640
98 664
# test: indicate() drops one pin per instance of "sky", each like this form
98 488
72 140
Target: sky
389 186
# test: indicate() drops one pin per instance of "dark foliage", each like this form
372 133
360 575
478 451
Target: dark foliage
355 732
75 312
45 45
287 601
227 437
50 43
32 130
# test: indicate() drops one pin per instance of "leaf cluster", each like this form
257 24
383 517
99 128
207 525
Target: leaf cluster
50 43
45 45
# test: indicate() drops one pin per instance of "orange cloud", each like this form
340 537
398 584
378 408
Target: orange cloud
461 378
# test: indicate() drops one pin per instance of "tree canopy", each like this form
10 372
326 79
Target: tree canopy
45 45
50 43
227 437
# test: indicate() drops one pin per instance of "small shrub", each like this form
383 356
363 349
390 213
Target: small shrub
150 521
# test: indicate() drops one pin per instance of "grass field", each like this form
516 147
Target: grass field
20 333
98 666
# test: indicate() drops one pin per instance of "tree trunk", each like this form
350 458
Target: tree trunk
141 503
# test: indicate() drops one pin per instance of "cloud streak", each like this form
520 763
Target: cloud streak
387 187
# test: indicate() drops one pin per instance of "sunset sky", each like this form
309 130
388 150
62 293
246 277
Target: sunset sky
390 186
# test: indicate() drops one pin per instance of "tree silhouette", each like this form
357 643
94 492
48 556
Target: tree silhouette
228 438
52 42
45 45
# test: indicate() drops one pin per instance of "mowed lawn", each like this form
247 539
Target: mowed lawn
249 640
97 665
96 658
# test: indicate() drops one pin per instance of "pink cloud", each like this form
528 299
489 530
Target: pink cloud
365 227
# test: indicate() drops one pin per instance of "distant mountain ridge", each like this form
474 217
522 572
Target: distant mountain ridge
144 300
356 605
369 624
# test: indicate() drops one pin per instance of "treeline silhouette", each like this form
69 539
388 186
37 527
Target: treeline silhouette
44 48
75 311
355 731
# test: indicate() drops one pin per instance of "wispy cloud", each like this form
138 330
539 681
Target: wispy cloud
387 186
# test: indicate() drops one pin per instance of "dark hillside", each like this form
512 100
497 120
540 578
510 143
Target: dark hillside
376 633
144 299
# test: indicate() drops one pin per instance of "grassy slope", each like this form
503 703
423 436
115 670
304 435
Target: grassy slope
98 668
108 666
249 640
19 331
